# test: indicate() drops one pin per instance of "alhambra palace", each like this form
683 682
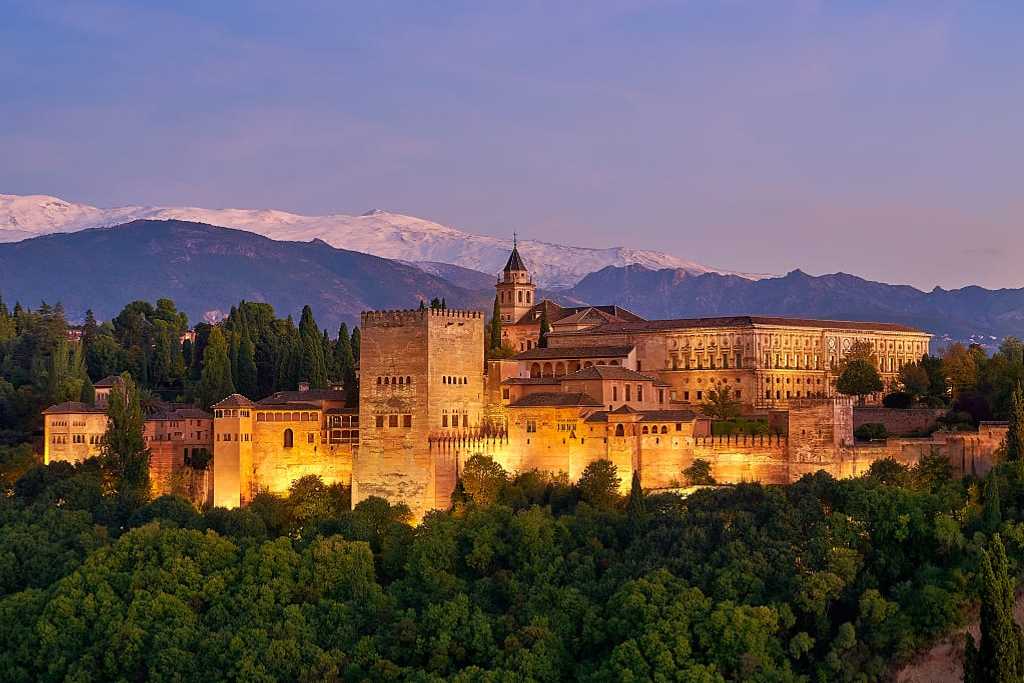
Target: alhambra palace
608 385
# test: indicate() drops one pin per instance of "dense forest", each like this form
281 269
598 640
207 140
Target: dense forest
528 577
252 352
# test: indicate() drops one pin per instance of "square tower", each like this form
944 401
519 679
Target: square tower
420 375
515 291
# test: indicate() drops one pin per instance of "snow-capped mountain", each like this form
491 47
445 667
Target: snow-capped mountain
382 233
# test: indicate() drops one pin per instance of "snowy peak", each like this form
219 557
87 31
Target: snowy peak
378 232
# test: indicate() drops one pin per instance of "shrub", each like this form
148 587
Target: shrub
871 431
900 400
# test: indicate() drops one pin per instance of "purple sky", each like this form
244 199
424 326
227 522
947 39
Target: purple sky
879 138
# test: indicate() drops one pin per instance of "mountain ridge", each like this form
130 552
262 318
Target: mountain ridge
378 232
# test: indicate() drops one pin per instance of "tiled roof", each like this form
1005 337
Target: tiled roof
286 406
531 380
555 399
72 407
108 381
746 321
234 401
647 415
515 261
172 412
667 416
304 396
574 352
624 410
556 313
610 372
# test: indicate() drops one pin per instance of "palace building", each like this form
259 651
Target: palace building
608 385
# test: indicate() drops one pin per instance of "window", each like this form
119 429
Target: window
640 392
615 393
629 393
679 426
505 393
407 420
392 420
700 395
444 420
309 438
289 438
619 431
531 426
380 422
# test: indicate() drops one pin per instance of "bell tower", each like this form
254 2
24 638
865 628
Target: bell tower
515 289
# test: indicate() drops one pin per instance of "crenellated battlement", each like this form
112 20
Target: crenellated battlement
415 315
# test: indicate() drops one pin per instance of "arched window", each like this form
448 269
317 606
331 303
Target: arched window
664 429
646 430
408 379
380 380
619 431
289 438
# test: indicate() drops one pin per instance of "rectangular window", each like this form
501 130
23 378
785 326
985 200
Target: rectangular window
531 426
392 420
629 393
407 420
444 420
309 437
505 393
700 395
686 395
640 392
639 366
679 426
615 393
380 422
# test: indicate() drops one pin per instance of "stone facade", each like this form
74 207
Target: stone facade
421 378
767 362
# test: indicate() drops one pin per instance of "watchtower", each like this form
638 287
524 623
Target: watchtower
421 374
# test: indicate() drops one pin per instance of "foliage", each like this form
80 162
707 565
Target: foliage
124 454
545 328
999 658
1014 446
859 377
698 473
871 431
216 383
721 403
483 479
898 400
739 425
915 380
599 484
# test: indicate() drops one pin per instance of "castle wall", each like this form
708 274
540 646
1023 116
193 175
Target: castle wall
898 422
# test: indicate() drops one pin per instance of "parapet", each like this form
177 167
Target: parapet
414 315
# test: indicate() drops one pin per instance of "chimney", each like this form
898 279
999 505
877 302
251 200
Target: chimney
303 386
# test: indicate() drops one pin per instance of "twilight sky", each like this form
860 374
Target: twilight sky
884 139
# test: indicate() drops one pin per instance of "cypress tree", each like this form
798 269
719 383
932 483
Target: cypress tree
992 515
356 340
495 340
247 366
1014 445
545 328
215 382
636 508
997 659
125 456
233 343
343 358
314 368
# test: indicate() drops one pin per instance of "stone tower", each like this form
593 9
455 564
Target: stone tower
420 376
515 290
232 452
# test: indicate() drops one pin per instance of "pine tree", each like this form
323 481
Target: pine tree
125 456
314 368
545 328
1014 445
998 657
215 382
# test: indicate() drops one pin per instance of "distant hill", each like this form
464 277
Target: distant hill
382 233
970 313
207 269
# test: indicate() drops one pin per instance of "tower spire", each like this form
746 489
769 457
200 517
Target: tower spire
515 240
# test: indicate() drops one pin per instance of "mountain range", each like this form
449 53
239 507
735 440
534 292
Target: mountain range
381 233
207 269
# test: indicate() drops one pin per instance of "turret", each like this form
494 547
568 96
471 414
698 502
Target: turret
515 289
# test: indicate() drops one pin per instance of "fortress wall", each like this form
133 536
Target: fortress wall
898 422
